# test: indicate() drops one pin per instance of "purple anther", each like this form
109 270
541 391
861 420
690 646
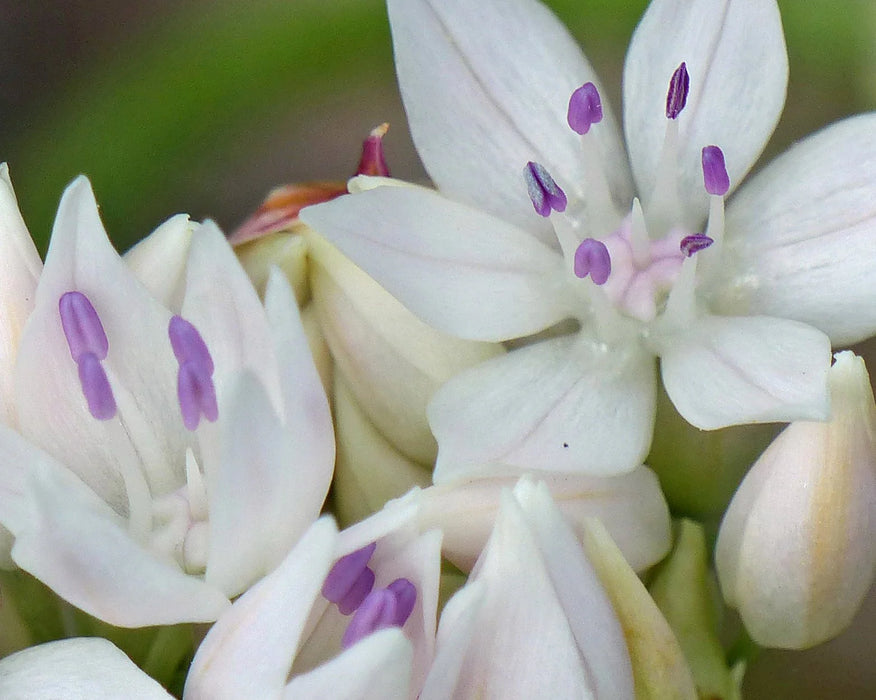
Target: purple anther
544 192
96 387
346 574
592 258
373 161
196 394
405 597
188 345
676 97
585 108
82 326
715 176
378 611
695 243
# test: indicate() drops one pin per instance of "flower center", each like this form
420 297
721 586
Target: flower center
638 261
349 585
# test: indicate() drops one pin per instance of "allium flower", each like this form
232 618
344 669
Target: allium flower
795 553
634 248
343 616
171 438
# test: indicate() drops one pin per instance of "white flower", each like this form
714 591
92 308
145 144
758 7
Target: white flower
171 438
795 553
533 619
86 668
344 616
486 86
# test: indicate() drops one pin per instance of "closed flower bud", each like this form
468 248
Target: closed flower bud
795 552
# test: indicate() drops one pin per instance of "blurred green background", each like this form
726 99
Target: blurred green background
203 106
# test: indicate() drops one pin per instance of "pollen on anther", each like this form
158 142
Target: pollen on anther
544 192
695 243
676 96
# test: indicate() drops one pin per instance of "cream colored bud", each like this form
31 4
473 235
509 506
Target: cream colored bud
796 552
285 249
392 362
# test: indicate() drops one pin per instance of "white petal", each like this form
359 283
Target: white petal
746 369
564 404
253 490
223 305
249 651
85 668
738 67
801 235
631 507
462 271
73 542
20 268
391 361
376 668
486 88
140 364
587 605
159 260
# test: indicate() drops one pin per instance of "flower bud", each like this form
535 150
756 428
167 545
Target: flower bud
795 551
391 361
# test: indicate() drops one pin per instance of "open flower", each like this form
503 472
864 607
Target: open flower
349 615
165 458
633 246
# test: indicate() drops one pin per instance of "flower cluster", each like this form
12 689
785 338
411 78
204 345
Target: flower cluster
476 369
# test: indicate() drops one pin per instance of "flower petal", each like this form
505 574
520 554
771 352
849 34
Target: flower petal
253 490
565 404
21 267
84 668
159 260
250 649
746 369
140 364
223 305
462 271
738 66
800 235
392 361
73 542
631 506
486 87
375 668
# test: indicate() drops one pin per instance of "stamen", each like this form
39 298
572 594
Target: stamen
96 387
405 597
676 97
695 243
378 611
592 258
585 108
372 161
196 394
544 192
82 326
715 176
188 345
348 573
